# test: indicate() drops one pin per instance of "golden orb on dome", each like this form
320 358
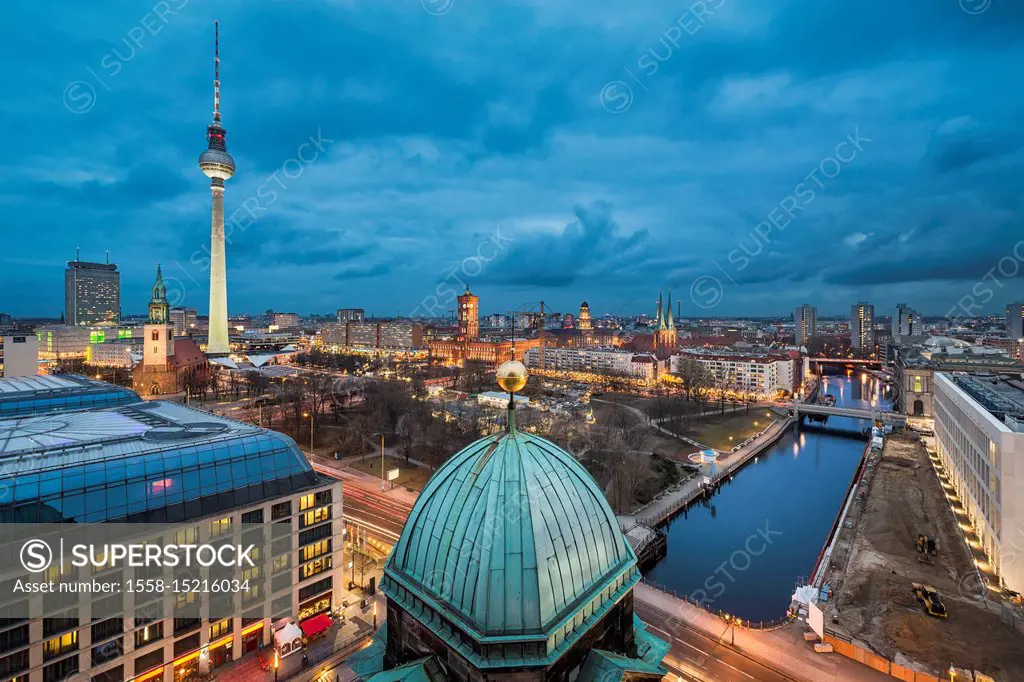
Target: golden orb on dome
512 375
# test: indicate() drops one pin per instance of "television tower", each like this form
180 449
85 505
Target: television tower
217 165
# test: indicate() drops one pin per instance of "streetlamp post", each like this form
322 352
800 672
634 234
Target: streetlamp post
277 663
310 415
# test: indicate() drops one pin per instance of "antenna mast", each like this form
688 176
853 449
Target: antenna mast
216 71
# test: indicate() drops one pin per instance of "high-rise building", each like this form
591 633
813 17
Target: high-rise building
805 321
583 321
351 315
469 316
184 320
217 165
905 321
862 326
92 294
1015 320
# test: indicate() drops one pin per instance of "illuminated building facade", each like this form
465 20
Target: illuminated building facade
469 316
490 352
862 327
217 164
1015 321
665 334
805 323
190 483
583 321
92 294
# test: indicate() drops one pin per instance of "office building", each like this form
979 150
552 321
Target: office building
905 321
19 355
469 316
184 320
805 323
351 315
372 335
92 294
979 435
199 475
598 361
63 342
285 321
862 327
1015 321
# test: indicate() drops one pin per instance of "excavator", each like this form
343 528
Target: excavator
926 548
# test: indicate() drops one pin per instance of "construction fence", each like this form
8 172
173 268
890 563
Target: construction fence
872 660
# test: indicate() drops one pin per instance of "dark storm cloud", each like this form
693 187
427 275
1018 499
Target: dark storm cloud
446 126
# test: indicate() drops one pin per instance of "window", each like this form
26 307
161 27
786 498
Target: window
281 510
220 527
220 628
149 634
60 645
186 536
156 336
315 516
281 563
254 516
314 567
314 589
61 669
311 552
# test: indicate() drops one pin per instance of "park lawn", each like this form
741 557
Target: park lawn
714 430
410 475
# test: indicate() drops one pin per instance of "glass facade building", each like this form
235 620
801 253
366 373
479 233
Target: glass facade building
92 294
166 464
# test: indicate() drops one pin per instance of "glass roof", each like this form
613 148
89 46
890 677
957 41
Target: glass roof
23 396
152 462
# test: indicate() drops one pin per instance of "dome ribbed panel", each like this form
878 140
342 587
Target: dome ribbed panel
512 535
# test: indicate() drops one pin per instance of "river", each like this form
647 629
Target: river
743 551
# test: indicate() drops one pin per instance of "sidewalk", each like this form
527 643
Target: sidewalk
667 504
783 649
367 482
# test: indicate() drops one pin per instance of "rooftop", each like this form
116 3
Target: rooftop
23 396
149 461
1001 395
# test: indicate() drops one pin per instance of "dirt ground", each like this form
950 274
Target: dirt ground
875 563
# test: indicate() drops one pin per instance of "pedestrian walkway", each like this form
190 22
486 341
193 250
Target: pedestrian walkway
666 505
783 649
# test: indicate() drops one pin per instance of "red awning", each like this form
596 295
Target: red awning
315 625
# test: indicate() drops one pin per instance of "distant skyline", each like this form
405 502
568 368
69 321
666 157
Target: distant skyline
540 149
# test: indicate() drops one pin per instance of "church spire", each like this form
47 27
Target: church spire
660 322
670 322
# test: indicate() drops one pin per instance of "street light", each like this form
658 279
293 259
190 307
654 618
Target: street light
277 663
310 415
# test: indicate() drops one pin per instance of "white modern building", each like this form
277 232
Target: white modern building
761 373
499 399
19 355
979 435
602 361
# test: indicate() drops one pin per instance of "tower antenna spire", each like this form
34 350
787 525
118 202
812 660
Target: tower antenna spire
216 70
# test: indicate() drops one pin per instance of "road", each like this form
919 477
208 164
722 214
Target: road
696 655
382 515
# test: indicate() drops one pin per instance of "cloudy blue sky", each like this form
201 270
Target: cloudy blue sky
749 154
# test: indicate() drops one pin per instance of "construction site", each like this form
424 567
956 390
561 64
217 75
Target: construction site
899 571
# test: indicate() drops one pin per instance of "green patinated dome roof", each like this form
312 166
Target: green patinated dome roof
512 537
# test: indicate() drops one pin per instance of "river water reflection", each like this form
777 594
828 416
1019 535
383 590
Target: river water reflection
744 551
